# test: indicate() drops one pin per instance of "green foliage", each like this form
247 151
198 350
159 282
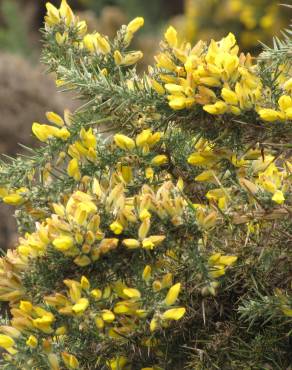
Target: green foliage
13 36
155 227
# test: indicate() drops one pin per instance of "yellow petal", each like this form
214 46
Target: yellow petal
132 293
70 361
174 313
32 341
124 142
278 197
172 294
55 118
135 24
108 316
80 306
171 36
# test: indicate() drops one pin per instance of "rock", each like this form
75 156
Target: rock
26 93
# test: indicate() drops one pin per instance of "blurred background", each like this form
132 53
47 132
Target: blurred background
26 93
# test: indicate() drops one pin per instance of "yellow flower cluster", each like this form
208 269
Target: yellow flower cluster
57 128
214 76
93 43
254 173
80 297
255 19
75 229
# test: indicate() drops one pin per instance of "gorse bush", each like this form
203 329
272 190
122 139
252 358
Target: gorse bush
250 20
155 221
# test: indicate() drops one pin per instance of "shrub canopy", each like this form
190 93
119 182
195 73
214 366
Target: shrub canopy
155 221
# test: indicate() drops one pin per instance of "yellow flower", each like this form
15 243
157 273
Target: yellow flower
7 343
66 13
174 314
152 241
85 283
63 243
174 89
45 132
73 169
171 36
163 61
80 306
288 85
70 361
42 132
102 44
32 341
167 280
178 103
135 24
149 173
146 275
131 58
157 87
207 175
13 199
143 137
118 363
285 112
153 324
196 159
229 96
285 102
53 361
62 134
132 293
25 306
82 261
96 294
172 294
82 28
227 260
53 16
107 316
61 330
61 39
118 57
131 243
127 173
44 323
210 81
144 213
90 43
116 227
144 228
219 107
230 64
55 118
156 285
99 322
88 138
124 142
270 115
159 160
278 197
